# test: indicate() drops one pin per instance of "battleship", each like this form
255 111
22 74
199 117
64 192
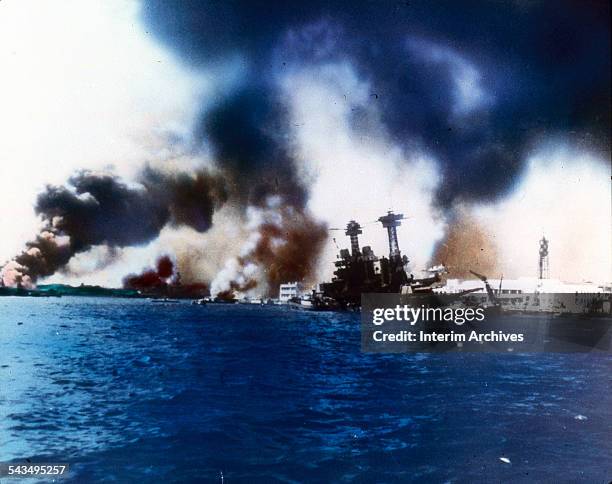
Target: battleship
359 271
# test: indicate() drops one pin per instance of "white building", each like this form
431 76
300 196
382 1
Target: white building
288 291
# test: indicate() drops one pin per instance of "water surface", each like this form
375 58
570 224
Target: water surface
128 390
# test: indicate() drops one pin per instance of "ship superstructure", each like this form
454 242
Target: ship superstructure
360 270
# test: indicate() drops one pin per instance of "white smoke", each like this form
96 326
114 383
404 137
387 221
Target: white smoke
234 275
240 272
469 93
353 169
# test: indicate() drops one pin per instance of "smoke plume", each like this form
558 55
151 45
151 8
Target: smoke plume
476 94
152 279
249 133
471 87
466 247
101 209
282 246
164 281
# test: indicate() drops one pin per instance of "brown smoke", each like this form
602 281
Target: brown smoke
42 256
301 240
466 246
164 281
152 278
230 293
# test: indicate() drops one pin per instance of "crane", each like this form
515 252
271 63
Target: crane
494 299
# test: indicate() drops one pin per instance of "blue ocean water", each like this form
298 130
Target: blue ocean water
129 390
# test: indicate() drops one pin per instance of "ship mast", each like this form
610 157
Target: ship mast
391 221
543 263
353 230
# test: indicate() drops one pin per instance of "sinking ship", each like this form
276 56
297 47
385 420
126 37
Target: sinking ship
360 271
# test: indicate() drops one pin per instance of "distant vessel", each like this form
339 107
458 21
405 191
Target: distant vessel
314 302
164 300
258 301
534 295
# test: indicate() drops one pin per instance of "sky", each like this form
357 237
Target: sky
311 114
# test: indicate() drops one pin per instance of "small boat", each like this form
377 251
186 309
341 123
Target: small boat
165 300
199 302
314 303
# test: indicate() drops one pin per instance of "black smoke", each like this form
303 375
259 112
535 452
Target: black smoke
545 66
543 69
248 134
101 209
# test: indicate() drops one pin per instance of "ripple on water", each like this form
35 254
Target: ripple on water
132 390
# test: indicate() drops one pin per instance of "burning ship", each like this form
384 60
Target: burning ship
360 271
